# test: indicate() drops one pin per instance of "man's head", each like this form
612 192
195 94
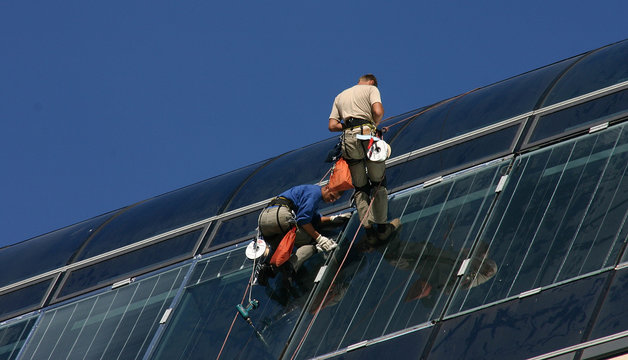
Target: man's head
330 196
368 79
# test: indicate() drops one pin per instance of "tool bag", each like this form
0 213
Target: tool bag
340 179
284 249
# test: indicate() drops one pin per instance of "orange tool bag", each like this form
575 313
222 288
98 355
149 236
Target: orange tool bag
340 179
284 249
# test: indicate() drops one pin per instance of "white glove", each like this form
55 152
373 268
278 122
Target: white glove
340 218
325 244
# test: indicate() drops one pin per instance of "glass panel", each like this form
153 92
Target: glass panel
12 337
551 320
383 289
406 346
207 309
451 159
602 68
46 252
167 212
132 263
303 166
500 101
613 317
558 217
24 299
117 324
238 228
581 116
477 109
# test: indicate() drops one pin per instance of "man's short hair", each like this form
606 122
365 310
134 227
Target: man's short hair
367 77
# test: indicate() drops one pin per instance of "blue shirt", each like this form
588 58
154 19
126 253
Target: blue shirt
306 199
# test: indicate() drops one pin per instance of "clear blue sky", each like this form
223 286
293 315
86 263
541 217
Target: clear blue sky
103 104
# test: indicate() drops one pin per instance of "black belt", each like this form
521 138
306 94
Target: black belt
350 123
282 201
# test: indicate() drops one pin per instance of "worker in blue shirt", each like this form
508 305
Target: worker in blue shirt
298 206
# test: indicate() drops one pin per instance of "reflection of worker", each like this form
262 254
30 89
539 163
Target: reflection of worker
357 111
299 206
436 267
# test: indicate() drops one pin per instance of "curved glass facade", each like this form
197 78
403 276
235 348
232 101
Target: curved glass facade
514 224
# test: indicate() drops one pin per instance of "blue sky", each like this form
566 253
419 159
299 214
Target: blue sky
104 104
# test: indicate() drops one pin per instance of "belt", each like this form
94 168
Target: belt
353 123
282 201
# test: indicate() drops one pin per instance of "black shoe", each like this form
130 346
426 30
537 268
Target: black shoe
265 272
385 231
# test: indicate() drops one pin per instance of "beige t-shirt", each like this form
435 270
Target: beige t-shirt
355 102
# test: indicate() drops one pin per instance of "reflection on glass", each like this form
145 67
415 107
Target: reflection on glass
203 318
500 101
238 228
134 262
562 214
117 324
166 212
24 299
599 69
613 317
384 288
450 159
46 252
581 116
12 337
303 166
554 319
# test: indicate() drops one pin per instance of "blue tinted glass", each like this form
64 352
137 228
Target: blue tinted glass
12 337
581 116
405 282
239 228
500 101
207 309
167 212
425 130
558 217
395 124
303 166
24 299
45 252
407 346
613 317
452 158
115 324
131 263
554 319
602 68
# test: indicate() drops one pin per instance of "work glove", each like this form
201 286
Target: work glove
340 218
325 244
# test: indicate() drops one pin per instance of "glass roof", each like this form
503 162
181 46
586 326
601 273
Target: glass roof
46 252
479 108
167 212
599 69
303 166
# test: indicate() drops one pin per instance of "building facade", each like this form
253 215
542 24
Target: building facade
513 200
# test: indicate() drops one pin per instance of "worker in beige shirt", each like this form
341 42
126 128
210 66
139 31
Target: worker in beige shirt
357 111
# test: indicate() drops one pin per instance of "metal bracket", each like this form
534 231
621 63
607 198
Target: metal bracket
433 181
357 345
121 283
463 267
530 292
598 127
501 183
165 316
320 274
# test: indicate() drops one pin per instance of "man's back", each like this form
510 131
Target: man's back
356 102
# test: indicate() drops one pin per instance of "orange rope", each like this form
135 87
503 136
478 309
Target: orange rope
320 306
